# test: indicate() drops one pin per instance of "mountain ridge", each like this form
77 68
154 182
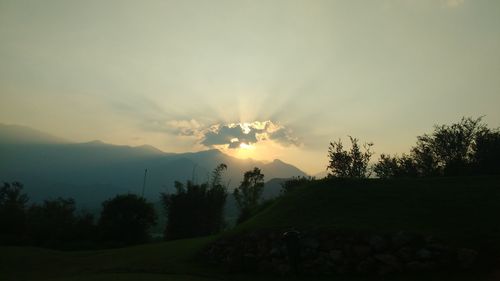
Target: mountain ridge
93 171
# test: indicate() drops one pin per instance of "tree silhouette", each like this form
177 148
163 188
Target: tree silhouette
464 148
294 183
196 209
12 212
395 167
449 149
126 220
248 194
349 164
487 152
51 223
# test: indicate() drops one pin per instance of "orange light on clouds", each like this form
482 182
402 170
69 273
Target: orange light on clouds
246 146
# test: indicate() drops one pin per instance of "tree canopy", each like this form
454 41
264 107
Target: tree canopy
126 219
248 194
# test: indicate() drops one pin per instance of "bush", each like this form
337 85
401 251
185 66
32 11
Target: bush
195 210
294 183
12 213
126 220
349 164
395 167
248 194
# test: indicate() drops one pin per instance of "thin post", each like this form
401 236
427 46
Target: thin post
144 182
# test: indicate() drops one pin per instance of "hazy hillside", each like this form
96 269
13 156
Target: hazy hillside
22 134
93 171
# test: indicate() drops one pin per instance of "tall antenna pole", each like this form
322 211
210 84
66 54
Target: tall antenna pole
144 182
192 175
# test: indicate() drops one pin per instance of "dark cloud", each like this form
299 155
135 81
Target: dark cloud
233 135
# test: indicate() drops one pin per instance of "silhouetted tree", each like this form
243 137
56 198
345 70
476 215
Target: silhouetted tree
217 195
294 183
196 209
349 164
12 212
84 230
449 150
386 167
487 152
126 220
395 166
51 224
248 194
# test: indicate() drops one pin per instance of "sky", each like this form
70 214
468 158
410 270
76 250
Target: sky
260 79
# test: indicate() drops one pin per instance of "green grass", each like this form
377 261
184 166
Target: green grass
175 257
465 211
462 211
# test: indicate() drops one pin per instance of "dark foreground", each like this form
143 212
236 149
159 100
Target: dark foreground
462 212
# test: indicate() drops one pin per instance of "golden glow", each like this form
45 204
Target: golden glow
246 146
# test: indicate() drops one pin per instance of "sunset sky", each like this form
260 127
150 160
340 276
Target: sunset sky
260 79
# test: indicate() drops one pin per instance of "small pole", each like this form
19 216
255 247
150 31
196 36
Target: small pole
144 182
192 174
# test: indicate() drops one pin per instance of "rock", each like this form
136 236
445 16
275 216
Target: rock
402 239
367 265
384 269
423 254
466 257
405 254
417 266
310 243
378 243
389 260
329 244
361 251
344 252
283 269
437 247
275 252
336 255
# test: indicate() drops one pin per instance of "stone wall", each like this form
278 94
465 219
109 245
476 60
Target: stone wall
326 252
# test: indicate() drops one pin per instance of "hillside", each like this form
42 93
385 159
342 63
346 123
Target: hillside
462 211
459 210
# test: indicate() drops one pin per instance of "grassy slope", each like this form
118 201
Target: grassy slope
459 210
160 261
463 211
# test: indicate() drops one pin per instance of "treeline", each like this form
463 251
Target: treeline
124 220
192 210
465 148
198 209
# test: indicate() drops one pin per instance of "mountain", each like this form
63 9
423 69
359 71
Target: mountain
21 134
93 171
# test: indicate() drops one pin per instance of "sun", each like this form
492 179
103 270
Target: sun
243 151
246 146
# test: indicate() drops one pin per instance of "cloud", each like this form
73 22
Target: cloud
284 136
184 127
231 135
235 134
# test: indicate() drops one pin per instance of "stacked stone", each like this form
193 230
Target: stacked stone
328 252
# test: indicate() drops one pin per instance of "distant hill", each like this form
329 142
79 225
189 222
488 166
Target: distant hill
15 134
94 171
